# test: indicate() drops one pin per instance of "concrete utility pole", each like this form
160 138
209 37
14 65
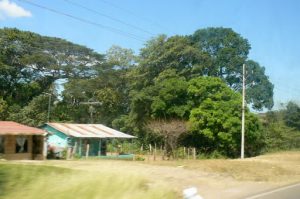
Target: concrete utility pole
243 115
91 108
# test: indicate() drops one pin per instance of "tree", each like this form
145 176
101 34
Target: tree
177 53
3 109
30 63
228 51
120 57
34 114
278 135
170 131
292 115
215 121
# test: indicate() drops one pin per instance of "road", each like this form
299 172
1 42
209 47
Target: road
287 192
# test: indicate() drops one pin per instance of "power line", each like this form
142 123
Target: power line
111 29
109 17
135 15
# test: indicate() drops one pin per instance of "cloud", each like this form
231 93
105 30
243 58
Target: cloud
10 9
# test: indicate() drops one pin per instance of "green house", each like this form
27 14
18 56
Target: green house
81 139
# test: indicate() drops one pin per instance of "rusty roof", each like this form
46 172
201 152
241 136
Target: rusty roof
88 130
14 128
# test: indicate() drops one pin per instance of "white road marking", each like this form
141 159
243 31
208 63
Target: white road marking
273 191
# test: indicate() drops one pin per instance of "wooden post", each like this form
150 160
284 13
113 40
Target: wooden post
99 148
183 152
164 153
68 155
74 150
188 152
194 153
150 149
87 151
154 154
80 147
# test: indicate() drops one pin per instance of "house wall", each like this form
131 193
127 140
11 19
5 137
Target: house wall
60 141
10 149
56 138
81 145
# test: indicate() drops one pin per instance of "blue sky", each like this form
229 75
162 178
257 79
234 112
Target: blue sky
271 26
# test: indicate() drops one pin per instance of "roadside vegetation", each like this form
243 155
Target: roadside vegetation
47 182
179 91
221 178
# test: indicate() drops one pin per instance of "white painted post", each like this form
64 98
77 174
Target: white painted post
87 151
243 115
194 153
80 147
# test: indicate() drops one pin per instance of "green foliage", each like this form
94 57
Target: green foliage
278 135
228 51
3 109
57 182
193 78
292 115
35 114
215 121
120 57
30 63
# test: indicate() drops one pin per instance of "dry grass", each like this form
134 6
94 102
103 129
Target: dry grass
35 182
276 167
221 178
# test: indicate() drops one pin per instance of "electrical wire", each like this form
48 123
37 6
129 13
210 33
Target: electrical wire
111 29
135 15
109 17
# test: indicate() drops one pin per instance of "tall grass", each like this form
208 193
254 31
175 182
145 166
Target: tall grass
35 182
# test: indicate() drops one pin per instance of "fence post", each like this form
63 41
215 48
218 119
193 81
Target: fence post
188 152
87 151
74 150
194 153
150 149
154 154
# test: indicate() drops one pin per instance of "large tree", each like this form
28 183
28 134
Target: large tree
292 115
215 119
228 52
30 63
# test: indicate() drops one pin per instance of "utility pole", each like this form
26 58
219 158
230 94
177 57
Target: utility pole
90 103
243 115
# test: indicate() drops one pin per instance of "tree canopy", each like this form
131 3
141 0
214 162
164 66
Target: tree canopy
186 87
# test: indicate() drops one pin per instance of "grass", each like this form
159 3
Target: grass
274 167
47 182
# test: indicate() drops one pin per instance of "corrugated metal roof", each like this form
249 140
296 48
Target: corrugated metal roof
14 128
88 130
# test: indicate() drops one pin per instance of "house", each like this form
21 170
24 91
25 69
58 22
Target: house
20 142
82 139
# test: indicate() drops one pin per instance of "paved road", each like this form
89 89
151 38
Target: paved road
288 192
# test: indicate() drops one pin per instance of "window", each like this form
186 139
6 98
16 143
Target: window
21 144
1 144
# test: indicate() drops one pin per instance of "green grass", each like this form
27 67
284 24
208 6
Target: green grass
47 182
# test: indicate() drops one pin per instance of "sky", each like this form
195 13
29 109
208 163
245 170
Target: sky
272 27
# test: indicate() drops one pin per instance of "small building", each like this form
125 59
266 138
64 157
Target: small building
82 139
21 142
